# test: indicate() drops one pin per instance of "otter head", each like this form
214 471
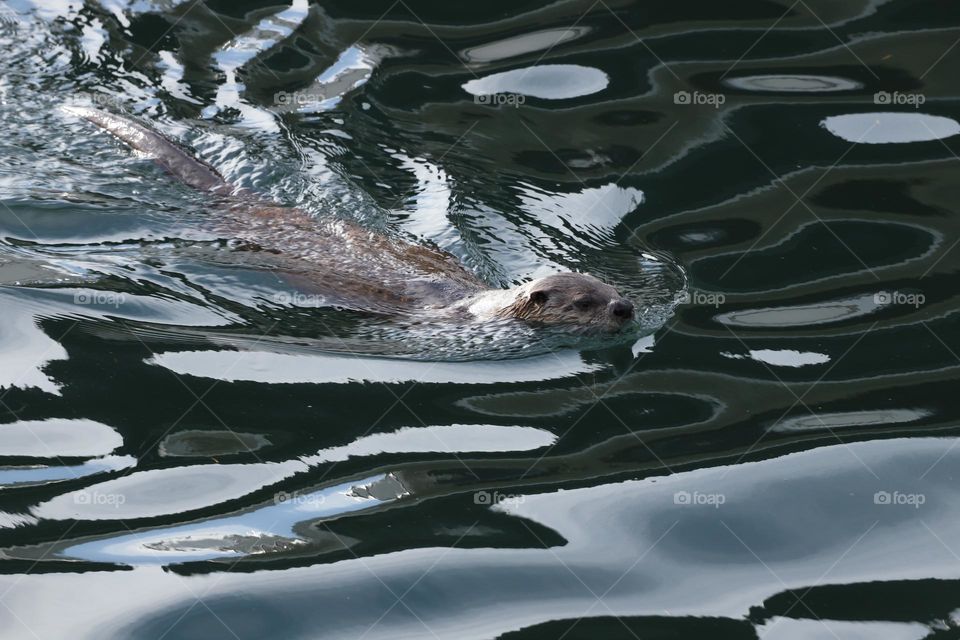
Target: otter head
571 299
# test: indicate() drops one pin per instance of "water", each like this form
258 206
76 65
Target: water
192 450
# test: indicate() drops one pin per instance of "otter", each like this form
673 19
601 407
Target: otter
357 268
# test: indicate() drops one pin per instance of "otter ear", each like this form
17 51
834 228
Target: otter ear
538 297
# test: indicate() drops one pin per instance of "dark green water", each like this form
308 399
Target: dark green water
191 450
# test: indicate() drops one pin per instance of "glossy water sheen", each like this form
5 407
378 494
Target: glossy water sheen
194 448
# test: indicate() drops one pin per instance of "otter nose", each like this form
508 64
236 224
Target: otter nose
623 309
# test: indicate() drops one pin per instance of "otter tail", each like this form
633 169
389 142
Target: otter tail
170 156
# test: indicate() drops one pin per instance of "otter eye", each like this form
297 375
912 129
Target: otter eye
538 297
583 304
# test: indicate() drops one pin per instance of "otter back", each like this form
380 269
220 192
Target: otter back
348 265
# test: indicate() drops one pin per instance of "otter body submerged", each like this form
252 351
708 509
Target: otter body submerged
353 267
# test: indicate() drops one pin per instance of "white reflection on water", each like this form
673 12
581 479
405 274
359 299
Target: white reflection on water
842 419
26 350
157 492
431 204
42 474
285 368
799 83
802 314
793 629
454 438
661 553
782 357
547 81
351 69
884 128
593 211
521 44
57 437
13 520
252 532
266 529
240 51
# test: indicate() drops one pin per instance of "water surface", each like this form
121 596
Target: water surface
194 448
